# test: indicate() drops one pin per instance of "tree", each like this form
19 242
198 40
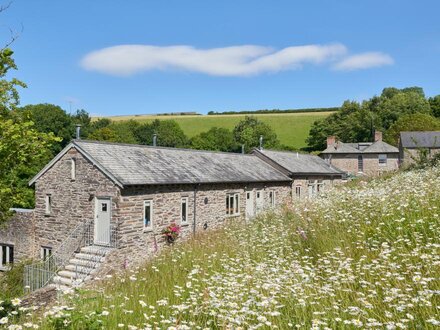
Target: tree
434 103
355 122
51 118
413 122
249 130
217 139
169 133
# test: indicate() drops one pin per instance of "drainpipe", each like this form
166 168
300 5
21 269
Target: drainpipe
195 209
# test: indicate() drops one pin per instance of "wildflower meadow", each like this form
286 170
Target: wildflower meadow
365 255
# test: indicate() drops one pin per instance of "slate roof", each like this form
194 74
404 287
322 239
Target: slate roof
129 164
298 163
378 147
420 139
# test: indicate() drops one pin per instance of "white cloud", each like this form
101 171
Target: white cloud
364 61
126 60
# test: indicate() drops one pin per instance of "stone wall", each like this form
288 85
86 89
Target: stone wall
138 245
324 182
349 163
73 200
19 231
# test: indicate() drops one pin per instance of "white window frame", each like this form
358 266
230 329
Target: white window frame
48 201
298 191
73 169
8 262
45 252
234 209
150 226
272 198
184 200
383 161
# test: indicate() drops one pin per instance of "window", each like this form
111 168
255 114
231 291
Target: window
272 198
298 191
45 252
72 169
184 210
148 214
232 204
48 204
383 159
360 163
6 255
320 186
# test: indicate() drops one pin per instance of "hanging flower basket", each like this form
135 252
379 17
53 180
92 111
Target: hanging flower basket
171 233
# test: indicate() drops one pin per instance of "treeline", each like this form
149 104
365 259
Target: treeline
268 111
395 110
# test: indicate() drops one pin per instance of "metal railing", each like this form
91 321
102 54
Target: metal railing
40 274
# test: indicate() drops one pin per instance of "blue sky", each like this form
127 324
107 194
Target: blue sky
135 57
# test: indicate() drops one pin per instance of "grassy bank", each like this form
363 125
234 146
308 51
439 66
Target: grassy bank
367 256
292 128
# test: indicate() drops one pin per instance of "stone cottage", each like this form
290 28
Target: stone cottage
97 199
414 145
362 158
310 174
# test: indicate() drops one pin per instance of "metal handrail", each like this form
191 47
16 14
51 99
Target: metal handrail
40 274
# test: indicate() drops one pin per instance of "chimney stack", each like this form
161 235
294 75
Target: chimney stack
154 140
331 140
261 142
78 131
377 136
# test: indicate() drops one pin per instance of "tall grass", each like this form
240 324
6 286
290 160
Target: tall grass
361 257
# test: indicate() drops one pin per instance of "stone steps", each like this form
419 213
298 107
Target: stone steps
81 268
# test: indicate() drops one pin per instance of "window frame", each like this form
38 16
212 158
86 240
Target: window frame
48 204
232 209
184 200
383 161
45 252
298 191
272 198
73 169
9 248
150 226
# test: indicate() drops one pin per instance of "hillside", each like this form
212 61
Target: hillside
292 128
364 256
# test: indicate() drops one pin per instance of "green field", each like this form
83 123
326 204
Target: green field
292 128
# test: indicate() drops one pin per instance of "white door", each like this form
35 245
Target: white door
250 210
102 221
259 201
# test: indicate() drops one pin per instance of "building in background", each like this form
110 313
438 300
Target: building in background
362 158
414 146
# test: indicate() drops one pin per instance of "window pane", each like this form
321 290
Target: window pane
147 214
236 211
183 210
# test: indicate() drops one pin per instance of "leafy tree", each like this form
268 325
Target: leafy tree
169 133
414 122
355 122
434 103
104 134
217 139
51 118
9 97
249 130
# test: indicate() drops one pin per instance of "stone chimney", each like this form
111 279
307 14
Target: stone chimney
331 140
377 136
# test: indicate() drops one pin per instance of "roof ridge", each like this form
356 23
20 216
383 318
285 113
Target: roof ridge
160 147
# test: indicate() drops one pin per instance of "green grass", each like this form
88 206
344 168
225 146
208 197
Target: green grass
292 128
364 256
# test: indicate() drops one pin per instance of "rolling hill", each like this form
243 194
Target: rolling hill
292 128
